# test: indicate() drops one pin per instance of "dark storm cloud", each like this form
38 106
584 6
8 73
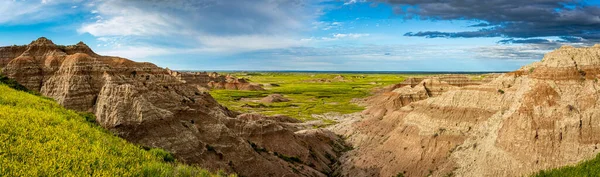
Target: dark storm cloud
507 18
466 34
525 41
481 25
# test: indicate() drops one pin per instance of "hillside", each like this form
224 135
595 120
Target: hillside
38 137
539 117
147 105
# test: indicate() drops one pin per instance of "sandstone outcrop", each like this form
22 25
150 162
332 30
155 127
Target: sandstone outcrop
541 116
459 80
274 98
379 104
148 105
215 81
418 88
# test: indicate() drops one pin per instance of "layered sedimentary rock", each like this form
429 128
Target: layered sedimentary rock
459 80
379 104
9 53
215 81
541 116
146 104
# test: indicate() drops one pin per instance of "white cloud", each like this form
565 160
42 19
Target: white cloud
350 35
337 36
327 25
512 52
136 52
243 43
28 12
204 26
129 21
349 2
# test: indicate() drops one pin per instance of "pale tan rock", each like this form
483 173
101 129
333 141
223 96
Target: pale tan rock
382 103
539 117
274 98
215 81
154 107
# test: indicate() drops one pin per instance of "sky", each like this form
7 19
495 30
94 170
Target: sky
329 35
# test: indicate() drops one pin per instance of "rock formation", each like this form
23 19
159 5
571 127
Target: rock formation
459 80
541 116
418 88
146 104
274 98
379 104
339 78
215 81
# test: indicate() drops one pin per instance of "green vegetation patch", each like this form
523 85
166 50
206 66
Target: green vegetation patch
15 85
38 137
585 168
309 93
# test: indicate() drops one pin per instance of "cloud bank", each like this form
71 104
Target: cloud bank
206 25
507 18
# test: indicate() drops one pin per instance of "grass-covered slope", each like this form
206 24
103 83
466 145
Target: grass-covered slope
38 137
585 168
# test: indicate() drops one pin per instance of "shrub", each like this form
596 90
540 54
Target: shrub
88 117
288 158
162 154
500 91
256 148
15 85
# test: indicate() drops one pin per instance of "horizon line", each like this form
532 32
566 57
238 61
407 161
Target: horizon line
340 71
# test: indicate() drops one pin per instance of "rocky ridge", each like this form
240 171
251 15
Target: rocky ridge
418 88
147 105
214 81
458 80
541 116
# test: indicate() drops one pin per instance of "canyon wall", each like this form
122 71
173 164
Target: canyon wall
147 105
542 116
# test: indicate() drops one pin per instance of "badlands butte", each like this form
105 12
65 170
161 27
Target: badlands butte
542 116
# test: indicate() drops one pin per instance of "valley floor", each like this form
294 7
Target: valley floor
309 94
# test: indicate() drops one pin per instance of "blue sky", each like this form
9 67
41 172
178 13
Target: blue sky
378 35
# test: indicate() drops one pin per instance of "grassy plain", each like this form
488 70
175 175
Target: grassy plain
38 137
309 93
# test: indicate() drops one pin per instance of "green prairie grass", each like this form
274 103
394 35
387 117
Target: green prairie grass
38 137
585 168
307 96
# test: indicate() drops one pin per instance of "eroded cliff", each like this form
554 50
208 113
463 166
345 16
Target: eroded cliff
147 105
214 80
541 116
